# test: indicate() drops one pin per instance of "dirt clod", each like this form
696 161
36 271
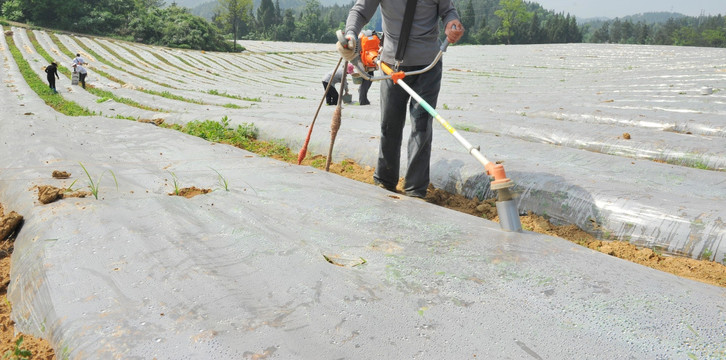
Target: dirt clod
190 192
48 194
9 223
156 121
57 174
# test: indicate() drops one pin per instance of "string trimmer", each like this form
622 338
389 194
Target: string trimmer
368 59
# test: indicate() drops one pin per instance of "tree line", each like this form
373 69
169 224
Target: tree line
486 22
709 31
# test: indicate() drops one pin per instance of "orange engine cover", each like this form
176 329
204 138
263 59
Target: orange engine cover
369 46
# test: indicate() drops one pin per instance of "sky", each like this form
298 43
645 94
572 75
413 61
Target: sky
584 9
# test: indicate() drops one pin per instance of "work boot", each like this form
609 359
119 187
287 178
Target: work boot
389 188
416 195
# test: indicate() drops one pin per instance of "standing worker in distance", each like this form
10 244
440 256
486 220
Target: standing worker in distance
78 60
52 71
81 75
421 49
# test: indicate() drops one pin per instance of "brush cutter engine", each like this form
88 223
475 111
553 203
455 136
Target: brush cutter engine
367 58
370 46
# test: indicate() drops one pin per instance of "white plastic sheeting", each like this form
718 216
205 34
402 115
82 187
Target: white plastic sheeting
139 274
619 140
559 117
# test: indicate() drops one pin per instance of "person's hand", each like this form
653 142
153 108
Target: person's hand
454 31
347 51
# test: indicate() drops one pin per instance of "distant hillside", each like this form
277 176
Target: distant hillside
647 18
187 3
654 17
205 10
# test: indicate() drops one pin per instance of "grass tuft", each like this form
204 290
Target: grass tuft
95 185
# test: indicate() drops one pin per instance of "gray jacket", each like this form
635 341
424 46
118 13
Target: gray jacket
334 79
423 44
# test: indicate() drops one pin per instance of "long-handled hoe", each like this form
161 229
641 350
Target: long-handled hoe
335 122
304 149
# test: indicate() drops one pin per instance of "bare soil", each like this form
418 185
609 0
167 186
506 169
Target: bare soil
705 271
10 224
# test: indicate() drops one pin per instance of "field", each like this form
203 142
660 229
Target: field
277 260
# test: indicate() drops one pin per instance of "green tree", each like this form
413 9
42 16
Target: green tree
13 10
714 38
602 35
232 13
616 31
513 13
286 29
664 34
266 16
468 19
685 36
483 35
177 27
642 33
310 28
103 17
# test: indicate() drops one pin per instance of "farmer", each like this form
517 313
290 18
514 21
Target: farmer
422 48
52 71
331 97
81 75
78 60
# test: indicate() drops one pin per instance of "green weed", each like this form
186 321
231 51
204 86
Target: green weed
95 185
220 131
107 95
176 183
217 93
121 117
70 187
701 165
18 353
318 163
222 181
346 166
183 61
706 254
168 95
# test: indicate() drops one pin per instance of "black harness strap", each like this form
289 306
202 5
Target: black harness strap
405 31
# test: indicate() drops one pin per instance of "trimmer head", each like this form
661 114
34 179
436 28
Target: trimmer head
506 206
507 211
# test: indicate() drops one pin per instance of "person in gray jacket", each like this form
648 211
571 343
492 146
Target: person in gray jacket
422 48
331 96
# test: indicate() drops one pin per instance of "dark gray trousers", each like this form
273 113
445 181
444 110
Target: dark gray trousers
395 101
